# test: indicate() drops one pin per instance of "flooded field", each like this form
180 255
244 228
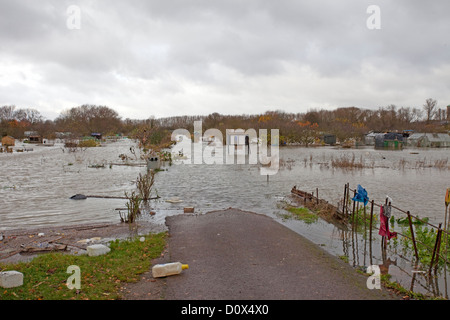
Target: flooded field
36 186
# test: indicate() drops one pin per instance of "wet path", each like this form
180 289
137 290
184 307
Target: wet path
240 255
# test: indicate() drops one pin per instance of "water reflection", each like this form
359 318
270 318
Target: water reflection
36 186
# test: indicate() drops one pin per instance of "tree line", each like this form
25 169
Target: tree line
344 123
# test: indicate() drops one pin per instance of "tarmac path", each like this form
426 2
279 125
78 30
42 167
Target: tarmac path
239 255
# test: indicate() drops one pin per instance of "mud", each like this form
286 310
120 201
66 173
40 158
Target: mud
22 245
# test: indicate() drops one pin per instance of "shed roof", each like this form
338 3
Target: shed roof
438 137
435 137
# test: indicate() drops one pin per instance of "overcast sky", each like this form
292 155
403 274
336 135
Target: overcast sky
165 57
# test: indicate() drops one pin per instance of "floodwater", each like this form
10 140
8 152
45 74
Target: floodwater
36 186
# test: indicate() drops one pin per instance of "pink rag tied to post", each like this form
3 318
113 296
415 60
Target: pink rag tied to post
384 226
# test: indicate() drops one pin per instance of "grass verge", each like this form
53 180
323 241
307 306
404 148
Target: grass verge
45 276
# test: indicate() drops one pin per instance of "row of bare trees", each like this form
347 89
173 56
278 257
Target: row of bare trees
294 127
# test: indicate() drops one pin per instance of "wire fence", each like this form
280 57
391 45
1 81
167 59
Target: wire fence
350 214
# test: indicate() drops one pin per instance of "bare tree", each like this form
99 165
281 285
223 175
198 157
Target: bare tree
33 116
7 113
430 108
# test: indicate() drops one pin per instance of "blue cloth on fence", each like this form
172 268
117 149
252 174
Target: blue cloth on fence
361 195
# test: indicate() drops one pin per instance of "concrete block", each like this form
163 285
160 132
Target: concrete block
97 250
11 279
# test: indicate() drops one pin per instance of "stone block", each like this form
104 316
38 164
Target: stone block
97 250
11 279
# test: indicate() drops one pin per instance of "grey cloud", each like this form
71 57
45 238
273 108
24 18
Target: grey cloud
151 49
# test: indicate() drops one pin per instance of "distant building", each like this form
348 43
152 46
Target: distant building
429 140
369 139
390 140
30 133
62 135
8 141
329 139
35 139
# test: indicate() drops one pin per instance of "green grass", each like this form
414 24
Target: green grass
45 276
303 214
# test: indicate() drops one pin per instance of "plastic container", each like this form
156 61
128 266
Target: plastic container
168 269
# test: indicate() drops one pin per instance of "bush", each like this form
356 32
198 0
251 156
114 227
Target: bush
89 143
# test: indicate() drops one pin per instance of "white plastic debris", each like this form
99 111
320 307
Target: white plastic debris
86 241
168 269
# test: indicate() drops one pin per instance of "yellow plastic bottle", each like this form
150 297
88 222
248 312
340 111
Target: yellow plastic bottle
168 269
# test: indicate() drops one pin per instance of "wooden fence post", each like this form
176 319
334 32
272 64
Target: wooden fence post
345 198
436 247
412 235
348 195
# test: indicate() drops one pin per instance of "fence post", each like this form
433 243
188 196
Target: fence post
371 217
436 247
348 195
345 198
353 210
370 230
412 235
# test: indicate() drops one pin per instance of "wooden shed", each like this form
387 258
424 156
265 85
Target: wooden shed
8 141
35 139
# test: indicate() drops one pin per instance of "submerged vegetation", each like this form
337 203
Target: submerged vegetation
133 208
144 184
426 239
345 162
303 214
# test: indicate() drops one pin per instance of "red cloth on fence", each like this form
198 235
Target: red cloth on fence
384 226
